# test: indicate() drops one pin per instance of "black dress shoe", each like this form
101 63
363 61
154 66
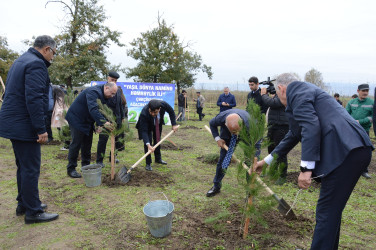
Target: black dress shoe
213 191
20 210
366 175
162 162
148 167
40 217
74 174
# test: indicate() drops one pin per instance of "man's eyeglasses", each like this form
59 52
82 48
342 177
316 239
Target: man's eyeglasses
53 52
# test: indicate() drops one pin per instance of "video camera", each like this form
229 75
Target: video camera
270 89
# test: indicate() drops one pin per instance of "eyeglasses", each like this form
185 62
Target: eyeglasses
53 52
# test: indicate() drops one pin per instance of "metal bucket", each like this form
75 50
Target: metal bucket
92 175
159 216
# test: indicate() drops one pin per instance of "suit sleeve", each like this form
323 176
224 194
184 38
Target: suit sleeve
143 128
91 99
170 111
304 113
232 102
219 101
285 146
214 123
35 84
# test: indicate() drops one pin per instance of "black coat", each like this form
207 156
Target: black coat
25 105
181 101
84 110
145 123
277 115
256 96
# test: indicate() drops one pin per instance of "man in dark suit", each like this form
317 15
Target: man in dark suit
22 118
229 122
81 117
149 126
335 148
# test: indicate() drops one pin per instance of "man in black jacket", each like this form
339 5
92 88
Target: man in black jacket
278 126
22 118
81 116
255 94
182 105
149 126
115 104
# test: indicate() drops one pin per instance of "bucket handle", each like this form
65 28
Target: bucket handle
153 194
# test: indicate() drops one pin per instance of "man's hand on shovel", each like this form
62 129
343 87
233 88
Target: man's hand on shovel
175 128
151 149
221 143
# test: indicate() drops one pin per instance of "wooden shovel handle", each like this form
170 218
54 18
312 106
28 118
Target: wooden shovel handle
149 152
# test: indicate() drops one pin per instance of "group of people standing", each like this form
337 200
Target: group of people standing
335 146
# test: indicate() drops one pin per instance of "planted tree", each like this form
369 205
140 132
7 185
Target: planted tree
64 132
117 129
162 57
249 137
82 44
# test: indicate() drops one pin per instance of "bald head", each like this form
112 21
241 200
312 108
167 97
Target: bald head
232 123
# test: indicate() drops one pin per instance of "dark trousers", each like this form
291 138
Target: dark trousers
200 114
219 173
28 158
157 151
79 141
48 125
102 144
335 190
275 135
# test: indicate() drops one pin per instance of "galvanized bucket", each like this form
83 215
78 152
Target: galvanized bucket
159 216
92 175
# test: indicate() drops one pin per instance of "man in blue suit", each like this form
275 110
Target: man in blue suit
226 100
335 148
229 122
81 117
22 116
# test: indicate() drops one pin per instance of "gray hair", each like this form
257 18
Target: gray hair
110 84
285 79
44 41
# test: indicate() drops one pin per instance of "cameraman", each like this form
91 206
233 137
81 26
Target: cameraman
278 126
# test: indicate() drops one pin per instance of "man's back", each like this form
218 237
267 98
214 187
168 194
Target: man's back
26 98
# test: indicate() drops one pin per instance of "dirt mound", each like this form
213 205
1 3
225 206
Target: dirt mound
190 127
293 178
64 156
141 177
170 146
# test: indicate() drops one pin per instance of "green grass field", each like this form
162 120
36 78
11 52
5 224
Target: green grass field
111 216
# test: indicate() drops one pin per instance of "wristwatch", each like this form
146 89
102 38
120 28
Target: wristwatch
305 169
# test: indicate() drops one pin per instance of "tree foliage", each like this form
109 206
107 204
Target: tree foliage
315 77
7 57
82 44
163 58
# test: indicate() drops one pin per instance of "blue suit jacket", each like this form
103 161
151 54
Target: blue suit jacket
220 120
84 110
326 131
230 99
25 105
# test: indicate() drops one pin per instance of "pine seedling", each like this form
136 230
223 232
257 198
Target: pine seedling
117 130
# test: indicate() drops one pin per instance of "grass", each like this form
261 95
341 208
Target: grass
112 217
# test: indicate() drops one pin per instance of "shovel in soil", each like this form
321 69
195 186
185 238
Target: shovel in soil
124 175
283 207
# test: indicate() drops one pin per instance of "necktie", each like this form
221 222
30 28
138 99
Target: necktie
228 156
157 134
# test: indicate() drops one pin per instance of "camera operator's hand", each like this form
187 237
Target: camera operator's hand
263 91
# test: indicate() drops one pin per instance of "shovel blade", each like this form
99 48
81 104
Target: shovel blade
285 209
123 176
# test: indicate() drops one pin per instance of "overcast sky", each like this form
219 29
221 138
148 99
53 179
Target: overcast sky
238 39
